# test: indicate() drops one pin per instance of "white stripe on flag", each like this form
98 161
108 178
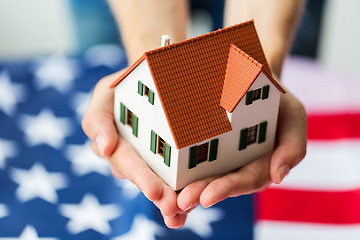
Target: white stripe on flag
328 165
271 230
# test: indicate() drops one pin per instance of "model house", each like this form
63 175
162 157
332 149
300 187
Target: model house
200 107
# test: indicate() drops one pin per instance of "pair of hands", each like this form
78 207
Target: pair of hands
98 125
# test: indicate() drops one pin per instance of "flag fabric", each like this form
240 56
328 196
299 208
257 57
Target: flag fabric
51 184
320 199
53 187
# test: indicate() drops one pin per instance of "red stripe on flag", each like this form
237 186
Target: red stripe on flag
333 126
309 206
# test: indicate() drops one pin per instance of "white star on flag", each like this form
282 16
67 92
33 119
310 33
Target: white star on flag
37 182
56 71
90 214
3 211
80 103
10 94
29 233
7 150
142 229
129 190
84 161
45 128
200 219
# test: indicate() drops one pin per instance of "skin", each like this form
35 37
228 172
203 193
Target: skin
275 21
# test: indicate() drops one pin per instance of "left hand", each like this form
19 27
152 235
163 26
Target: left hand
257 175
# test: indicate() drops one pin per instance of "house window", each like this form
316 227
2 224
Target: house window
201 153
159 146
253 95
143 90
257 94
146 91
252 134
128 117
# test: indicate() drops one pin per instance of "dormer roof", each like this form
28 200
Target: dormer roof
241 71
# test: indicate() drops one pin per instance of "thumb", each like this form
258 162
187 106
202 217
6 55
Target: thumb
98 122
292 129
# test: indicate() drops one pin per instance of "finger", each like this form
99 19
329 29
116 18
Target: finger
126 161
176 221
95 149
116 173
189 197
248 179
291 135
167 203
98 122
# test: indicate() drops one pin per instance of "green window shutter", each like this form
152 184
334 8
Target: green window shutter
213 149
153 141
243 138
262 132
140 88
192 157
122 113
135 125
249 97
265 92
151 96
167 154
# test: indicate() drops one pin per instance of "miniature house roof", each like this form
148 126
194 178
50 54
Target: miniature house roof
241 72
189 78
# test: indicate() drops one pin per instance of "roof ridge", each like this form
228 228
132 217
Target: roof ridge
247 56
206 35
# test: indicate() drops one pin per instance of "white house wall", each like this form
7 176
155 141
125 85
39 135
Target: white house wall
150 117
228 156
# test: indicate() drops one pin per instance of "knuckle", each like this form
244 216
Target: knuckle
261 184
260 181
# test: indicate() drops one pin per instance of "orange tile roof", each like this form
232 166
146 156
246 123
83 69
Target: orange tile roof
241 72
189 78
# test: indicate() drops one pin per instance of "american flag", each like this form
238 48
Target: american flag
53 187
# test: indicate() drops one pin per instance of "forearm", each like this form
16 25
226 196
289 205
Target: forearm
142 22
275 21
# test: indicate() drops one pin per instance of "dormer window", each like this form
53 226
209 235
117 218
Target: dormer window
143 90
253 95
257 94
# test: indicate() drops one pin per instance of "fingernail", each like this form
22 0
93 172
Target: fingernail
101 143
211 204
146 196
188 208
281 173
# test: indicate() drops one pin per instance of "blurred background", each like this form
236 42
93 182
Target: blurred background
52 53
329 29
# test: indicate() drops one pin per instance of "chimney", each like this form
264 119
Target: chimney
165 40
